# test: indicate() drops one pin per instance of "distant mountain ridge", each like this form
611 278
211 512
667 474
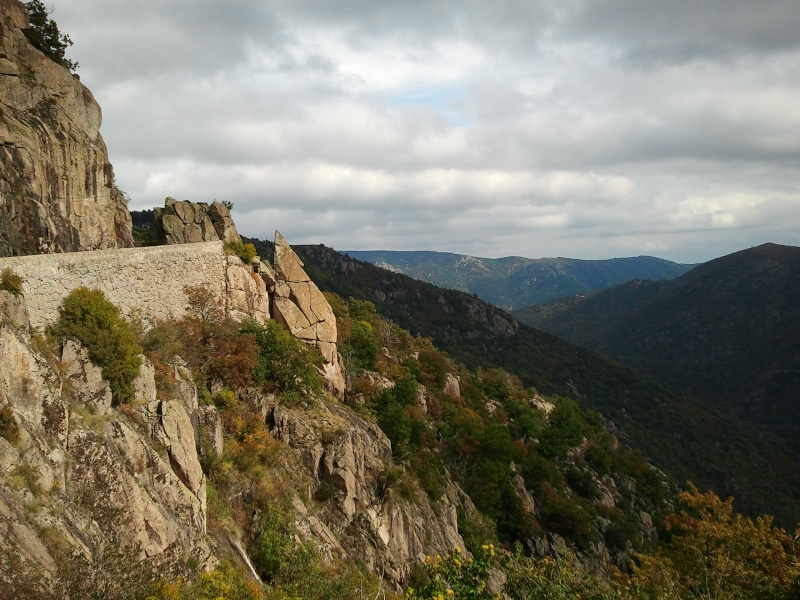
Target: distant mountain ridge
514 281
728 332
685 439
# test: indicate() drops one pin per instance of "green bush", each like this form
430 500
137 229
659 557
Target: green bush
88 316
11 282
284 364
247 252
455 576
566 428
272 546
365 345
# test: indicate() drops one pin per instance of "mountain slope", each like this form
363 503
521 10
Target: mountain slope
514 281
683 438
727 332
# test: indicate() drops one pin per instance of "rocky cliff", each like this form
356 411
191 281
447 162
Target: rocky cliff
78 475
57 190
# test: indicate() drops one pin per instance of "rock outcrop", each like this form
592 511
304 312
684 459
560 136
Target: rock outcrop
298 304
184 222
57 190
346 458
96 474
246 293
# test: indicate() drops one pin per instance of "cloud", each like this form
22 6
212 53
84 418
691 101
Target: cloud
573 128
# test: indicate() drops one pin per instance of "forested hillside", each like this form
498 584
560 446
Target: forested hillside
728 332
514 282
682 437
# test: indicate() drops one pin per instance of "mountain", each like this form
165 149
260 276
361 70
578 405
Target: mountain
172 432
57 186
728 332
682 437
513 282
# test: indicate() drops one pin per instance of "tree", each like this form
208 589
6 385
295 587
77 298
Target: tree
88 316
455 576
717 553
43 33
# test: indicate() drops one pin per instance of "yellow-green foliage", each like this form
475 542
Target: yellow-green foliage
455 576
285 364
88 316
226 581
247 252
549 578
11 282
716 553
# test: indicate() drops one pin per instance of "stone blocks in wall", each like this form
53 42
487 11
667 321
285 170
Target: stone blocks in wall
148 281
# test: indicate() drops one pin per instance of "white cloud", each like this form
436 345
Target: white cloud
572 128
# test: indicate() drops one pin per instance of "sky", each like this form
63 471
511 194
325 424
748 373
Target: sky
578 128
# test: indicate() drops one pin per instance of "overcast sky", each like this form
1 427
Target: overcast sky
585 129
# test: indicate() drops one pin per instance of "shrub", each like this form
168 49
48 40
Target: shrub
284 364
247 252
434 368
273 544
455 576
365 345
88 316
8 426
553 578
566 428
225 581
11 282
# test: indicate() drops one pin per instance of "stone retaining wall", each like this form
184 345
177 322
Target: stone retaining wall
149 280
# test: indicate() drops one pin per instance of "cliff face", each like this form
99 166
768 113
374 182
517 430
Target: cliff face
92 473
78 475
57 191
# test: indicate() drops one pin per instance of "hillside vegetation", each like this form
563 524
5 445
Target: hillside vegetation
548 503
678 434
727 332
514 282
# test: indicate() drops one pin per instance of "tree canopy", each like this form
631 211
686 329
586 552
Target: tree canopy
44 34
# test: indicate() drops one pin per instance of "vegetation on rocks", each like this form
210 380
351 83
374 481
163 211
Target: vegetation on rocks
10 282
88 316
564 510
44 34
247 252
680 436
284 364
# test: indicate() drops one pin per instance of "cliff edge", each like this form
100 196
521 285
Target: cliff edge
57 191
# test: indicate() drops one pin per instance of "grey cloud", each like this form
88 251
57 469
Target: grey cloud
651 33
575 128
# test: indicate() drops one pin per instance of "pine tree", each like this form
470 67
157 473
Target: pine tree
43 33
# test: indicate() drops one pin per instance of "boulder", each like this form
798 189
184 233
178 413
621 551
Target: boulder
13 310
247 294
210 419
144 385
86 379
451 386
298 304
184 222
